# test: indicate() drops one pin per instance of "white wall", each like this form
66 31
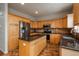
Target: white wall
3 28
70 20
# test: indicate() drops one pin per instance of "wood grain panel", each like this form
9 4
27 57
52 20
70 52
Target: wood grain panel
13 30
55 38
32 48
58 23
24 49
13 22
76 13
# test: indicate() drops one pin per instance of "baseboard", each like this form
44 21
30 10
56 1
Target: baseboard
5 52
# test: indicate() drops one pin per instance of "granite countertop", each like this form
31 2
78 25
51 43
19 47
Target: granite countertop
39 35
34 37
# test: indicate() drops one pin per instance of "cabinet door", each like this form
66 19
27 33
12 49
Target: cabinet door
42 23
37 46
76 13
75 19
23 48
58 23
34 24
39 24
64 22
40 45
55 38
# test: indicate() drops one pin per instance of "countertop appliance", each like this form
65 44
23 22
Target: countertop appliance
24 30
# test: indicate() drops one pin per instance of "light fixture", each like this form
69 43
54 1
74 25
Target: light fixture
22 3
36 12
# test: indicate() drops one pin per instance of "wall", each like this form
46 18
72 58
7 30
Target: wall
3 29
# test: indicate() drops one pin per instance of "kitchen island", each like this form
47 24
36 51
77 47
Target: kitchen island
33 46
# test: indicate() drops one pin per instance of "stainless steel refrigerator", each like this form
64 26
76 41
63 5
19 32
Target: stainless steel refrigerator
24 30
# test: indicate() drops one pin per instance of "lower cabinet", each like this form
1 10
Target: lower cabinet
23 48
32 48
55 38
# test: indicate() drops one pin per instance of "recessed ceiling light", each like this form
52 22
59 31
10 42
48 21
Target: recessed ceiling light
22 3
36 12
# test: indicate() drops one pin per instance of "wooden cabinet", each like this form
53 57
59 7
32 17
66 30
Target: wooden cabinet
58 23
37 46
61 23
64 22
55 38
39 24
24 48
34 24
76 13
53 24
32 48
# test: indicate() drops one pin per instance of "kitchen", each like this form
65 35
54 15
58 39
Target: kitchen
50 30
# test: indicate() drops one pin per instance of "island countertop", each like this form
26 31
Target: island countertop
34 37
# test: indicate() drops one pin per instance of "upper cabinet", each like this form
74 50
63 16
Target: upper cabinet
58 23
64 22
76 13
34 24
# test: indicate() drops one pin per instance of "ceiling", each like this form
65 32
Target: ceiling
45 10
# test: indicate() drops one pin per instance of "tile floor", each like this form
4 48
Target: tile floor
50 50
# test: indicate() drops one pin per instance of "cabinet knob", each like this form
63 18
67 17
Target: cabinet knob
24 44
